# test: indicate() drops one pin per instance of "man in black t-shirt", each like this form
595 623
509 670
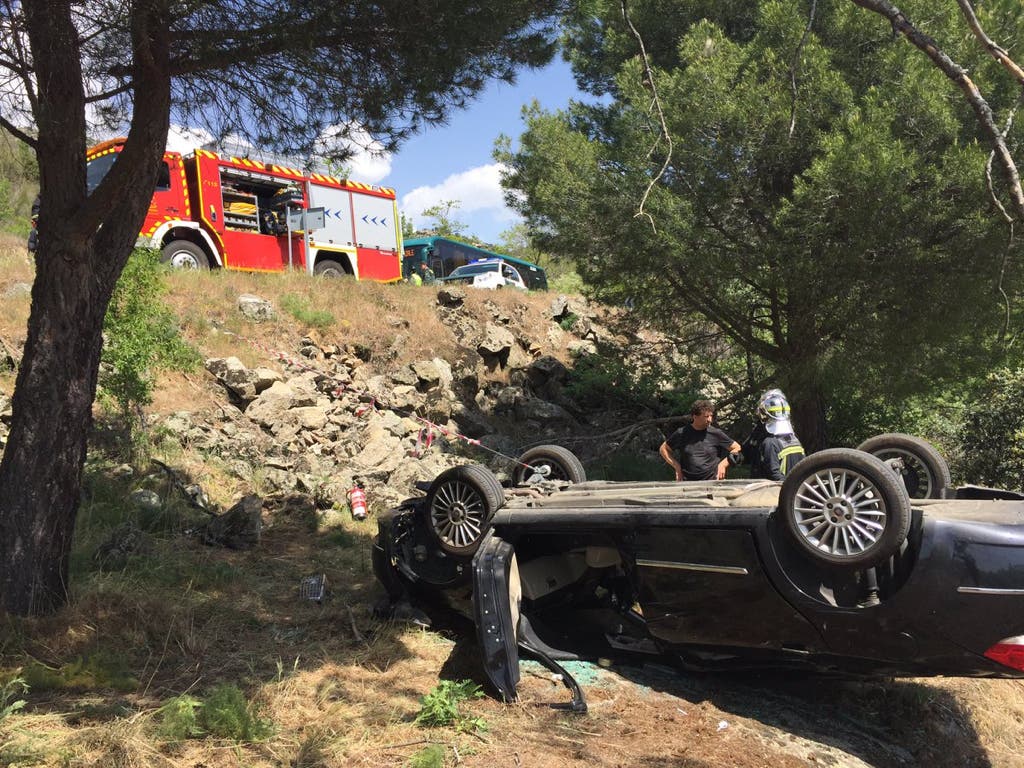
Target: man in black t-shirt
703 450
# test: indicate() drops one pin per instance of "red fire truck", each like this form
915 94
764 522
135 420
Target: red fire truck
234 213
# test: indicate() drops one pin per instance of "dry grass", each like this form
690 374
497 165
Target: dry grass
185 618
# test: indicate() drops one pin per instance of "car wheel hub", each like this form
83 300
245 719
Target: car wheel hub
916 477
458 514
840 512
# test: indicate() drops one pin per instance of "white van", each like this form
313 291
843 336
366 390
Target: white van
487 273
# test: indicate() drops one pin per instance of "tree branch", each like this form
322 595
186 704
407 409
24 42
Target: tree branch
649 80
997 51
17 132
793 66
902 25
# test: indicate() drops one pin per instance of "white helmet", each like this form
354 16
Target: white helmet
773 411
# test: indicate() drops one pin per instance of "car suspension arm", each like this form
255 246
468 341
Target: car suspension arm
578 703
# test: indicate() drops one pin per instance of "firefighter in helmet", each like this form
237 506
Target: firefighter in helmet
773 448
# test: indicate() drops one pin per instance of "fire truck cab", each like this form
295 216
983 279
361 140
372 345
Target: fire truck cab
210 211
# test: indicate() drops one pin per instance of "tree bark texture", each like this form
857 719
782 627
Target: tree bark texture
85 241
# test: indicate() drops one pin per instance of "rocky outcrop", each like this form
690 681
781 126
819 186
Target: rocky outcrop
338 416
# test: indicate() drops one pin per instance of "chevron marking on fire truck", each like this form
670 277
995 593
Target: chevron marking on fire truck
184 190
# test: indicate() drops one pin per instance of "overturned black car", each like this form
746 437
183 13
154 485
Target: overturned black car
861 562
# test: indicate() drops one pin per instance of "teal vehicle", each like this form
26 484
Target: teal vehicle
444 256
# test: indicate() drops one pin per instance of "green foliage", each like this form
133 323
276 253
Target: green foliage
518 242
9 689
990 443
226 714
99 670
141 336
299 308
440 707
178 719
428 757
568 321
605 381
408 229
566 281
445 223
19 182
820 229
627 465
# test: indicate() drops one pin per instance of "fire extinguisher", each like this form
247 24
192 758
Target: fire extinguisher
357 500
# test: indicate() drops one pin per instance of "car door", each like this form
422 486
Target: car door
497 595
706 586
512 277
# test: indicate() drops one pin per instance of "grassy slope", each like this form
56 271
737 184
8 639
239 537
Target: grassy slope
340 688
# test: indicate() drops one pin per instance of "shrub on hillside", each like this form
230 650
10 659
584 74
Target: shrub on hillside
991 438
141 336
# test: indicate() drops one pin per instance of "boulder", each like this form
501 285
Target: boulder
238 379
239 527
256 309
451 297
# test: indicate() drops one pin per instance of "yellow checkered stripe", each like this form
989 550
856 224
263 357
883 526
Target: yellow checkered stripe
101 154
184 191
159 223
244 162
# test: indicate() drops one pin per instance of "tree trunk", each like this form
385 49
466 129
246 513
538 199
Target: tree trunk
41 471
85 241
808 404
802 385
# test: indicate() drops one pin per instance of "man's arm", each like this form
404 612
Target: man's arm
669 455
723 465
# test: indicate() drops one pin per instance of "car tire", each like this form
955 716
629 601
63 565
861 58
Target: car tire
925 473
845 509
554 461
329 268
459 506
182 254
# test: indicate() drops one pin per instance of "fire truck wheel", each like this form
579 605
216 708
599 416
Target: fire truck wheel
329 268
181 254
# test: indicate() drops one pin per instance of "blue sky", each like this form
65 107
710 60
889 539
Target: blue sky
454 162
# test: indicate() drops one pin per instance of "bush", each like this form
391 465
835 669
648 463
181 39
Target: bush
598 381
428 757
301 310
224 714
990 442
227 714
440 707
8 691
141 336
179 719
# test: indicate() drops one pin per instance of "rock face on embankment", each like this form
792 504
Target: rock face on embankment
325 416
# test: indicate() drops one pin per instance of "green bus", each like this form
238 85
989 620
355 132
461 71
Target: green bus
443 256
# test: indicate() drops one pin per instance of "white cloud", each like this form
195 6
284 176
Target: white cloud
369 162
184 140
477 190
370 167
